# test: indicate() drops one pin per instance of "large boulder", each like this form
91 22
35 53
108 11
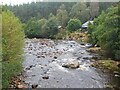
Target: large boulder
71 64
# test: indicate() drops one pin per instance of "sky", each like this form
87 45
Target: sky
14 2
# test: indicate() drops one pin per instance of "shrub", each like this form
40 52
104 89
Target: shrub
106 32
12 46
49 29
73 25
41 28
32 28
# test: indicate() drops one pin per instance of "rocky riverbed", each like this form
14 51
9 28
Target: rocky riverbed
59 64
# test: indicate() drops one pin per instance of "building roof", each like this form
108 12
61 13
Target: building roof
85 25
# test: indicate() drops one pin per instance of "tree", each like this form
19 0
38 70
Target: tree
62 15
12 46
94 9
106 32
39 9
104 5
73 25
12 36
32 28
41 28
80 11
49 29
41 23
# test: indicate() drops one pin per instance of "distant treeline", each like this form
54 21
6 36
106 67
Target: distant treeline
40 10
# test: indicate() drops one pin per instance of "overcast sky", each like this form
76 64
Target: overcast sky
14 2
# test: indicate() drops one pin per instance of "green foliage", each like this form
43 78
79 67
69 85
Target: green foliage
39 10
49 29
0 49
0 37
73 25
41 28
62 16
32 28
94 9
12 46
104 5
106 32
79 11
10 69
41 23
33 13
62 34
12 37
107 64
84 12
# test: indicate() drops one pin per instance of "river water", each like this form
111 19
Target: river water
43 65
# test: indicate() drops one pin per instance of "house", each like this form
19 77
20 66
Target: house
85 25
59 27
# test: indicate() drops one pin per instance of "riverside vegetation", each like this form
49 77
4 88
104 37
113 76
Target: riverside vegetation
106 33
12 44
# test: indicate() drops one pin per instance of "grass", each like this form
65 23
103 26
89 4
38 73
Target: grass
10 69
77 35
110 65
94 49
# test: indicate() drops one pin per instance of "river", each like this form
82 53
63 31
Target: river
43 65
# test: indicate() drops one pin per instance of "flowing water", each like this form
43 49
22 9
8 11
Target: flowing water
43 65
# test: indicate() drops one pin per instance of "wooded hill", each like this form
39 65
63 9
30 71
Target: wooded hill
39 10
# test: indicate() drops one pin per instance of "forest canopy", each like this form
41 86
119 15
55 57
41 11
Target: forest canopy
41 10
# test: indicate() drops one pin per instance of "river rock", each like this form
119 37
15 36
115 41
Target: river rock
87 58
82 44
88 45
43 56
55 57
116 75
95 58
45 77
118 65
38 56
71 64
34 86
116 72
11 86
27 68
21 86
